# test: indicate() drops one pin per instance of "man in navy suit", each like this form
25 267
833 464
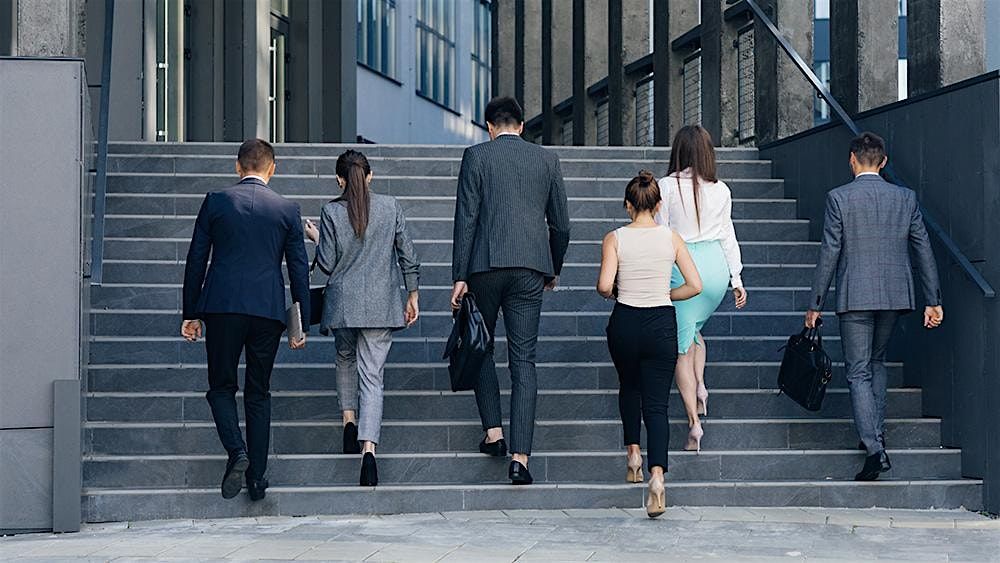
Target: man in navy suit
247 229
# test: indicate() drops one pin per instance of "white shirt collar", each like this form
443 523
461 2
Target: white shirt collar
868 174
508 133
255 177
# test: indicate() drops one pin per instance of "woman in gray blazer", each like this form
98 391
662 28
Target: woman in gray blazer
363 246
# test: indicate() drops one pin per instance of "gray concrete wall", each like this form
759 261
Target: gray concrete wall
864 53
784 104
51 28
951 157
946 42
41 145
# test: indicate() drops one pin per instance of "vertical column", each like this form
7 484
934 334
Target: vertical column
661 74
256 69
562 63
298 72
548 117
8 16
50 28
200 19
616 74
519 51
494 50
683 17
864 49
531 41
340 74
784 99
719 76
579 72
946 42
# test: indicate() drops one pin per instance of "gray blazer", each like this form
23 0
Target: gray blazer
363 289
511 209
869 230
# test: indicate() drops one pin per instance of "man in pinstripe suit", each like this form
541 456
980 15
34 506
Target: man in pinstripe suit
511 235
870 229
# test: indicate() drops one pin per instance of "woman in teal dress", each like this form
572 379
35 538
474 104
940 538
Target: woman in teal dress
698 207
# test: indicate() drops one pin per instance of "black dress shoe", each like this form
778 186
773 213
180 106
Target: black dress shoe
351 445
257 488
874 464
495 449
232 480
519 474
369 471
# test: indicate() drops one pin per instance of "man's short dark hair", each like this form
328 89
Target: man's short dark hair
256 155
868 149
504 112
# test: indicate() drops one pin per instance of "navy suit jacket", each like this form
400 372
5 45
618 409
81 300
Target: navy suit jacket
247 229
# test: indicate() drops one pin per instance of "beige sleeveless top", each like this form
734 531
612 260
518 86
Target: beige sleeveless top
645 262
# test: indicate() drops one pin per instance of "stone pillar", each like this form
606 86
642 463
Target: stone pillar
580 101
203 26
506 47
784 98
864 50
8 17
616 74
532 40
256 68
596 60
635 32
340 71
51 28
946 42
519 55
546 98
562 58
719 76
683 18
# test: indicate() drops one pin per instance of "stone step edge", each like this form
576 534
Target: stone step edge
321 197
397 177
441 365
449 241
610 220
449 314
594 265
379 158
214 491
441 392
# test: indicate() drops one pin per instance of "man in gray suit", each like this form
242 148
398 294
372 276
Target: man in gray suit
869 230
511 235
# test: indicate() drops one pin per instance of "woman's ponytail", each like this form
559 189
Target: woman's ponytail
353 167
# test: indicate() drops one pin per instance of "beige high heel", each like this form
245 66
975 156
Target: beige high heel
634 473
702 395
694 438
656 499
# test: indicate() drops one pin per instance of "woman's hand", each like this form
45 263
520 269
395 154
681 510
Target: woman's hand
740 295
312 233
412 312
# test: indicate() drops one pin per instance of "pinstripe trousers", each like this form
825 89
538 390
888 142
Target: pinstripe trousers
518 293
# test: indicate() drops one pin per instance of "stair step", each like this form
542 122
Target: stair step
175 226
431 405
419 166
118 504
446 468
423 436
318 185
759 252
416 349
434 376
131 295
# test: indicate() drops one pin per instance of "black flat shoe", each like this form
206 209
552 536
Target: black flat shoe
369 471
519 474
232 480
257 489
874 464
351 445
495 449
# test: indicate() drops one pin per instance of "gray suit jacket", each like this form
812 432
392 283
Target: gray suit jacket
363 289
511 210
869 230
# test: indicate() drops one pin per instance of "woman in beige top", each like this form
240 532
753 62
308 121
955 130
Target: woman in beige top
642 333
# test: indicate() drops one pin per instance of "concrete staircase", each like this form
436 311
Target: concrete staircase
152 451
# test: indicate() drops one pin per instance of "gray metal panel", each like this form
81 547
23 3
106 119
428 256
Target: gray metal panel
67 465
40 271
26 487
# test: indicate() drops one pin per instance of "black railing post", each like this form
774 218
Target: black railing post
616 75
101 179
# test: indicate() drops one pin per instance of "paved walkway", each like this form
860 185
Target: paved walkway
731 534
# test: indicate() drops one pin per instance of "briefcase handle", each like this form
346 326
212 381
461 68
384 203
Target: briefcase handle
813 334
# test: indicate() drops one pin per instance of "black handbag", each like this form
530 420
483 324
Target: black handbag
316 297
805 369
468 345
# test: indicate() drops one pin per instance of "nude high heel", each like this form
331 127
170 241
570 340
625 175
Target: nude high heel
694 438
634 472
656 498
702 395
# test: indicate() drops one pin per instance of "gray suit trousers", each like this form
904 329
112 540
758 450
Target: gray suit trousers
361 356
865 335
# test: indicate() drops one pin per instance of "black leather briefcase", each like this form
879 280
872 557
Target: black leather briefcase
468 345
805 369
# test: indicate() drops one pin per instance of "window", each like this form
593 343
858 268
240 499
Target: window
377 35
746 83
566 133
481 50
602 122
436 51
692 89
644 112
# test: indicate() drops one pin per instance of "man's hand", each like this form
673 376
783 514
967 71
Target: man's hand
191 330
458 291
412 312
552 284
933 316
812 317
298 344
740 295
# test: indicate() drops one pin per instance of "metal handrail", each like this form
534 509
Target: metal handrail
101 180
933 226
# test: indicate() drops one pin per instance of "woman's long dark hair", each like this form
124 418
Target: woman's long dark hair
693 148
353 168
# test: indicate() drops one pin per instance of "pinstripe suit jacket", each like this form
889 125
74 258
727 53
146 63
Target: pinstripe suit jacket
870 228
511 209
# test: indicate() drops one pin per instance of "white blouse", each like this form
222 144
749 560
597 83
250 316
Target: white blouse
716 205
